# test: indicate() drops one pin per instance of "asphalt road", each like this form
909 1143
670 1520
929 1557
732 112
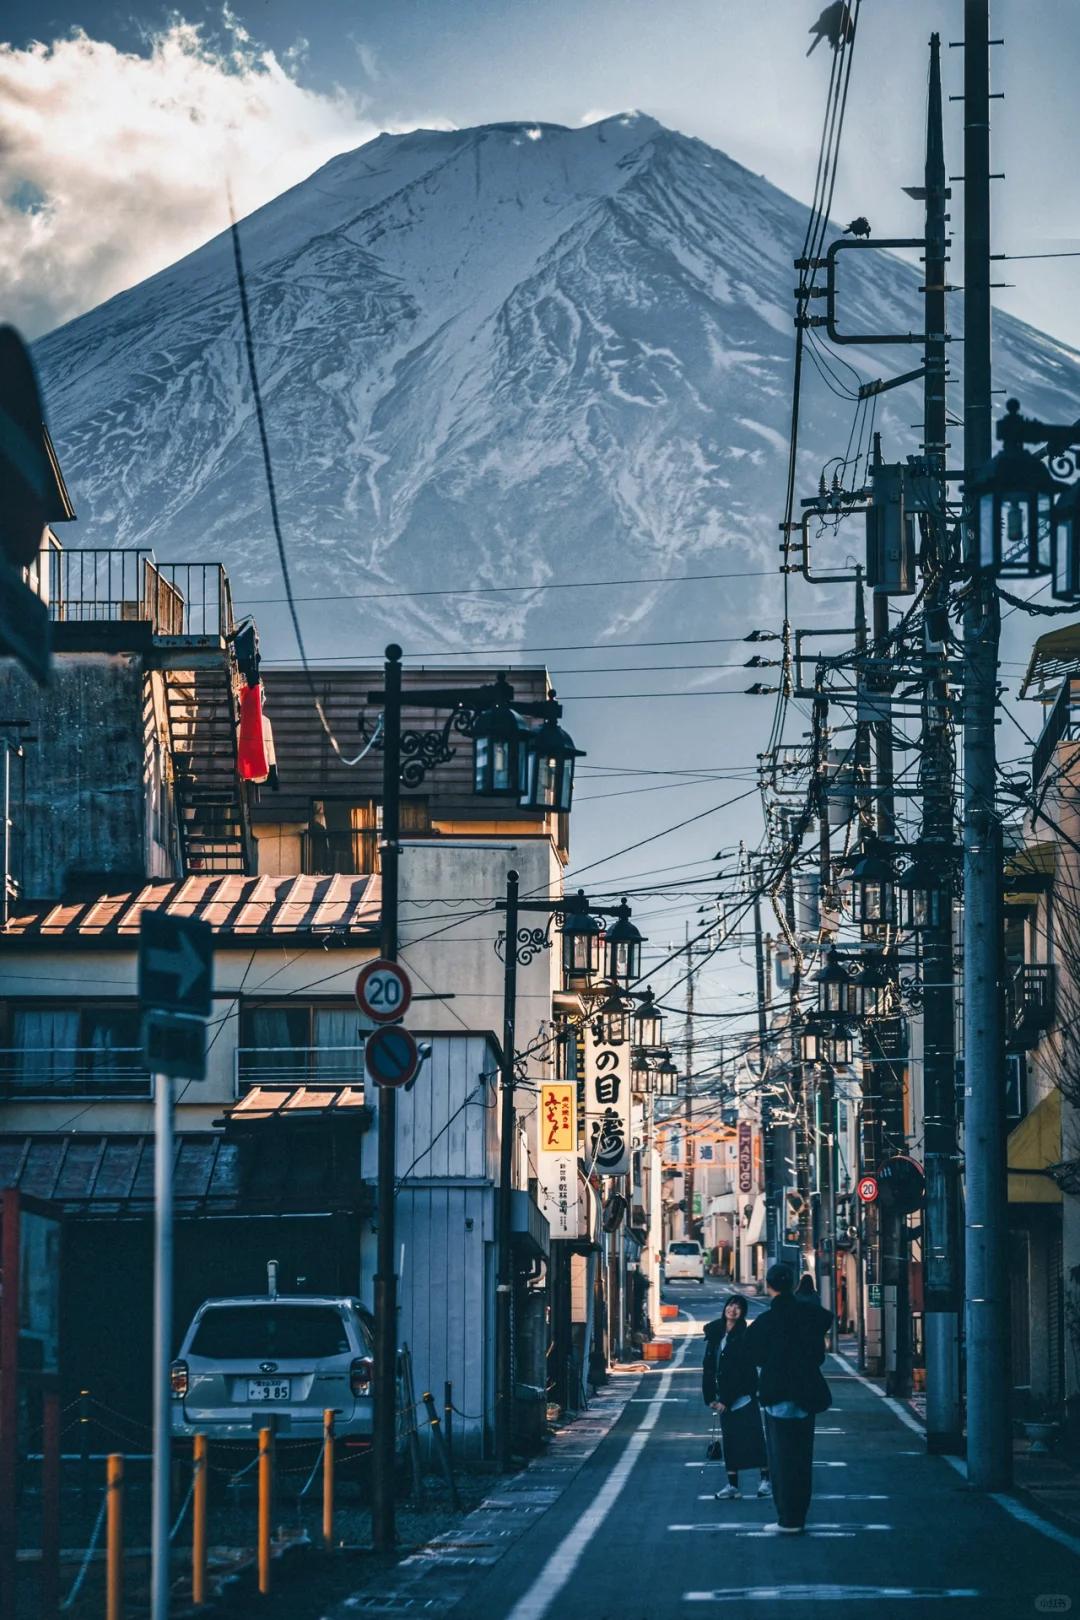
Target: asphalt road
892 1532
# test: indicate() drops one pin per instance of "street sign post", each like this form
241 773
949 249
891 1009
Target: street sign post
383 991
868 1189
176 986
392 1056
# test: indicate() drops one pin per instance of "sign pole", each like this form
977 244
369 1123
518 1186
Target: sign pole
163 1284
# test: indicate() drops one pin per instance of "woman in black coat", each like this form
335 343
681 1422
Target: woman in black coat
729 1385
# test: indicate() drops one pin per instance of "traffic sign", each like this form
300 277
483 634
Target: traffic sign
174 1044
868 1189
383 991
176 964
902 1184
392 1056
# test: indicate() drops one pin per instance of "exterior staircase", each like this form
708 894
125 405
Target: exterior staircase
215 829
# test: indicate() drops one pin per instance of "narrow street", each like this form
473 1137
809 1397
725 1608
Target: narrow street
639 1536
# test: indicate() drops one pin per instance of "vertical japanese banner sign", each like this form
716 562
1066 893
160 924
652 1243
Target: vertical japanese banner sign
557 1165
746 1156
607 1106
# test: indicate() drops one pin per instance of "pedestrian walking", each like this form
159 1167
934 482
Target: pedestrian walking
729 1386
806 1293
787 1344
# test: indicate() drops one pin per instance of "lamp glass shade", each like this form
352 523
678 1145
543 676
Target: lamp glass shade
648 1023
873 889
667 1077
642 1077
614 1018
549 775
582 938
922 897
622 948
1013 500
836 998
499 762
873 987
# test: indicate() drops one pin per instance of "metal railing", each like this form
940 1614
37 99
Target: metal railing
39 1074
96 586
325 852
1062 725
1029 1002
297 1066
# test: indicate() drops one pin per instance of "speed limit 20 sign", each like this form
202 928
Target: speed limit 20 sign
868 1189
383 991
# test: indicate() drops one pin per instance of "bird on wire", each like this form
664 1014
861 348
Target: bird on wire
836 24
858 227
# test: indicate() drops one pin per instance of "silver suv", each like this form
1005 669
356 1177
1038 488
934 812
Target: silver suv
245 1361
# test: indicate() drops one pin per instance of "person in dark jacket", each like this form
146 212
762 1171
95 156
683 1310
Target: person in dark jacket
787 1344
729 1386
806 1293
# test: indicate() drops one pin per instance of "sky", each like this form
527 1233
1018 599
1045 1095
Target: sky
122 126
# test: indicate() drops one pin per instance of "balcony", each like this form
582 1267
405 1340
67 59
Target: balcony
1029 1004
297 1066
174 600
74 1073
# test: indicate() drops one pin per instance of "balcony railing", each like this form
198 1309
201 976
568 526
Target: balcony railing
1062 725
97 586
1029 1003
298 1066
36 1074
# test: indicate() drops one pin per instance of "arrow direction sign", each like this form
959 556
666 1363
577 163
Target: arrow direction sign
176 964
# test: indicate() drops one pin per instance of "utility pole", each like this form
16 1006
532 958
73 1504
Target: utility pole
504 1294
941 1219
768 1143
989 1447
800 1090
688 1101
825 1120
384 1412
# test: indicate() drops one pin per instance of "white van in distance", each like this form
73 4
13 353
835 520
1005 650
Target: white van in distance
684 1261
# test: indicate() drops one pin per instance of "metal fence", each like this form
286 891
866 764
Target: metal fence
37 1073
298 1066
177 599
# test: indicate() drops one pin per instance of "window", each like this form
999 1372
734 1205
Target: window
343 835
91 1049
685 1248
295 1041
270 1333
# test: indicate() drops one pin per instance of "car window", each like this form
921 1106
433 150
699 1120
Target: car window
685 1248
270 1333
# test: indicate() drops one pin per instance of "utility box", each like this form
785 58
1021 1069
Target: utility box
890 534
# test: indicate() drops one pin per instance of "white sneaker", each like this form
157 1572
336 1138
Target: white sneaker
764 1489
730 1493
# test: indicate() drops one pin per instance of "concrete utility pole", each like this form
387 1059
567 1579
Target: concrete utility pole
768 1142
989 1447
504 1294
384 1412
688 1101
941 1219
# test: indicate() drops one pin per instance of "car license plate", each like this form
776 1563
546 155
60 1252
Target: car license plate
269 1389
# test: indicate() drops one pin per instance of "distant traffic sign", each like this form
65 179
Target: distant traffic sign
901 1183
868 1189
176 964
174 1044
392 1056
383 991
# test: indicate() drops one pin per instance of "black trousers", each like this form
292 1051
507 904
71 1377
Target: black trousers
790 1443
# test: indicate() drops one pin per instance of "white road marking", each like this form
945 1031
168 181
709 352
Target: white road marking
537 1601
826 1594
742 1527
1027 1516
895 1407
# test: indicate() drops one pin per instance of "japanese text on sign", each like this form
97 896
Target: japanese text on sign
607 1105
558 1127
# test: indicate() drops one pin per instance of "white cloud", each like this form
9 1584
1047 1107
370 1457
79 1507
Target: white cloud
113 165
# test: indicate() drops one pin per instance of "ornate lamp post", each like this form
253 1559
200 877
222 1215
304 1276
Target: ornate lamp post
1013 498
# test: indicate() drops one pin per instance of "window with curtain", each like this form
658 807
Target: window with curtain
45 1044
93 1048
344 833
298 1041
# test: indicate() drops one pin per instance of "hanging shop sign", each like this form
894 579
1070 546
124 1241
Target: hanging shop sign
557 1172
607 1104
746 1156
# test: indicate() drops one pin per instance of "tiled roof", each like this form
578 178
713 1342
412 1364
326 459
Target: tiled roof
339 905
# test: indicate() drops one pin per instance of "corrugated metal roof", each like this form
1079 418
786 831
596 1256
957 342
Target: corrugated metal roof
339 904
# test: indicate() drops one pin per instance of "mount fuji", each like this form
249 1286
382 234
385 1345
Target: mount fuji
496 356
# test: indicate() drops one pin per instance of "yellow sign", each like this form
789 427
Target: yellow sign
558 1126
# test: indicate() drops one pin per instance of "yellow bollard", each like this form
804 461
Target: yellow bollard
114 1556
198 1520
328 1480
266 1481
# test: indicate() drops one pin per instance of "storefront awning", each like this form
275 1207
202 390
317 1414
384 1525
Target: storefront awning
1034 1145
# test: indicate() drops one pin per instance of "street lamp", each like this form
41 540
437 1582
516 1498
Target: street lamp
582 939
622 948
873 886
642 1074
549 773
873 986
667 1076
1013 496
1066 546
613 1018
836 996
648 1023
823 1042
923 893
501 737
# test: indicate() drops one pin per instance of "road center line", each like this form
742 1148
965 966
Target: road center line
566 1557
895 1407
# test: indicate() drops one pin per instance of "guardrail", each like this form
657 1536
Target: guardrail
97 585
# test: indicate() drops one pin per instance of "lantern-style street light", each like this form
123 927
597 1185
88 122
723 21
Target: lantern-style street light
874 986
923 890
642 1074
1013 498
613 1017
836 997
821 1041
622 948
667 1076
549 773
582 941
1066 547
648 1023
501 747
873 885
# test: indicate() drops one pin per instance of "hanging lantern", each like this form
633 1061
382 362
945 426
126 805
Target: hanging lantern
873 886
873 986
836 997
582 937
923 892
501 738
549 778
642 1078
667 1076
251 761
1066 546
1011 499
613 1018
648 1023
622 948
824 1042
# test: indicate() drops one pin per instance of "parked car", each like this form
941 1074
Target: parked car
246 1361
684 1261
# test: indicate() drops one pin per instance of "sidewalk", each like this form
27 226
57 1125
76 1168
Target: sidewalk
1048 1484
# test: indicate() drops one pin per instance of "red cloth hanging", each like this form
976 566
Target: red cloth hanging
251 752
